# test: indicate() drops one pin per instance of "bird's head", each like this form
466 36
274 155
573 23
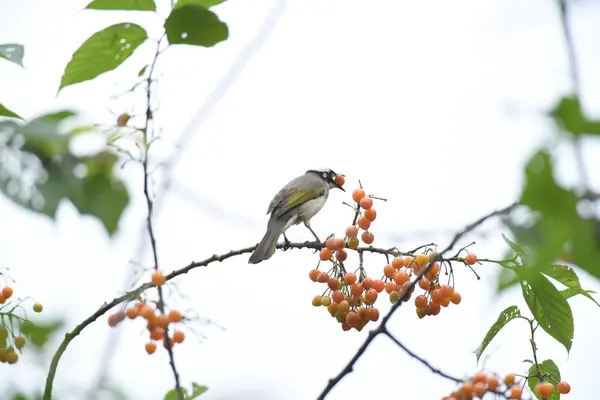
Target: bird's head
333 179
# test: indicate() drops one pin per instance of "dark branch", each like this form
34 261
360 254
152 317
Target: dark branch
382 325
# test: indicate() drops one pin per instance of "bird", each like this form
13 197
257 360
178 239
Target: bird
297 202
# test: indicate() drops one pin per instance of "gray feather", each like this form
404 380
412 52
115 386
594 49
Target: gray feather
267 246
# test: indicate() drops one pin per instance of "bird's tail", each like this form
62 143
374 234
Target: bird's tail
267 246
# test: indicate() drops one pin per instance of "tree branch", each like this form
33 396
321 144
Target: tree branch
382 326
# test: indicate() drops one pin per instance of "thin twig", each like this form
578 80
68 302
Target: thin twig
382 326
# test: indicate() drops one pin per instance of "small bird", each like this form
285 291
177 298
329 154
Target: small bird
296 202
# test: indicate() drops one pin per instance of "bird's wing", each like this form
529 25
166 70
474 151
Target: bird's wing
296 193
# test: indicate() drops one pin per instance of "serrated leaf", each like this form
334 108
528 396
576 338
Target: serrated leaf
520 250
12 52
137 5
549 370
102 52
195 25
569 115
504 318
568 277
5 112
549 308
203 3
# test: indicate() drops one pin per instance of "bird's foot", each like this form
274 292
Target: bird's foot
286 243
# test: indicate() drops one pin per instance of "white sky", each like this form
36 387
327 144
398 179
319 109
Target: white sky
433 104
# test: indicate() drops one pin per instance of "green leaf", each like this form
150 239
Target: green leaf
550 309
203 3
568 277
143 70
520 250
12 52
504 318
195 25
550 372
103 51
88 182
570 117
197 390
586 246
40 333
139 5
173 395
5 112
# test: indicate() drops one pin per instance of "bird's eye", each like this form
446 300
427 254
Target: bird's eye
325 176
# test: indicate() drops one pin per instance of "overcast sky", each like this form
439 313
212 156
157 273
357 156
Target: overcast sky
435 105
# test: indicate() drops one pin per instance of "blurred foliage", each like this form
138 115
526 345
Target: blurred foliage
38 170
197 391
12 52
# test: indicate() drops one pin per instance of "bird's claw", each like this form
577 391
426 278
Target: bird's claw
286 243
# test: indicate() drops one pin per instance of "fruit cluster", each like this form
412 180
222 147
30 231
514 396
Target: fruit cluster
157 323
482 384
13 326
350 296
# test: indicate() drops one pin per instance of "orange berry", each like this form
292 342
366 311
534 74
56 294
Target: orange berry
435 308
367 283
479 389
114 319
493 383
363 223
471 259
370 214
352 318
337 296
401 278
389 271
161 321
408 262
316 301
147 312
467 389
444 302
158 278
455 298
371 296
325 254
313 274
157 333
422 260
150 347
352 231
480 377
350 278
341 254
397 262
174 316
7 291
544 389
563 387
446 291
421 301
178 336
344 306
358 194
340 180
366 202
2 299
436 295
509 379
372 314
332 308
435 269
333 284
390 286
424 284
353 243
356 289
378 285
516 392
368 237
132 312
322 277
